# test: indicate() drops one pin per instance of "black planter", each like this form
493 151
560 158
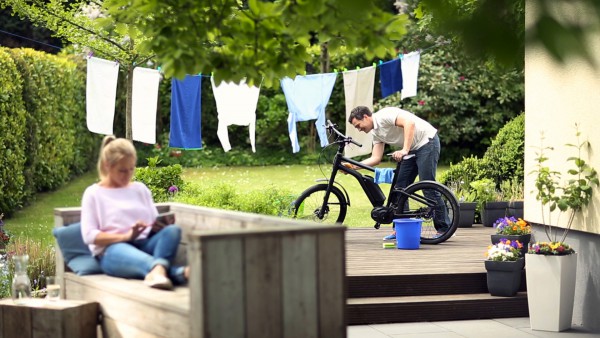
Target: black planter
504 278
524 239
467 214
515 208
492 211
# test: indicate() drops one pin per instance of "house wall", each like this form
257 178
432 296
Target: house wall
557 96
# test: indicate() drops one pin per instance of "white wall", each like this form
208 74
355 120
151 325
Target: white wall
556 97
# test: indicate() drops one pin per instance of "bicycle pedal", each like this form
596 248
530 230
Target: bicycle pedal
377 225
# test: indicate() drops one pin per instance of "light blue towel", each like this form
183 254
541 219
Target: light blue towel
390 76
307 96
384 175
185 113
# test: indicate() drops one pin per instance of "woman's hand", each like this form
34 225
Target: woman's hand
136 230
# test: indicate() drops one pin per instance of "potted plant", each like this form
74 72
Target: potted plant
466 203
513 190
490 202
552 265
514 229
504 265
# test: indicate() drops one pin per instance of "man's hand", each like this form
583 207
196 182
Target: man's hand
349 166
399 154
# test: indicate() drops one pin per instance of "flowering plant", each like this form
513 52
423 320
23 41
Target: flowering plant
504 251
512 226
4 235
551 248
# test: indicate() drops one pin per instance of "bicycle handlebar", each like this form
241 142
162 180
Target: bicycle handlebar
345 138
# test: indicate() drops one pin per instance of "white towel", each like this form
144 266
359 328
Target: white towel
410 73
358 91
236 104
144 101
101 95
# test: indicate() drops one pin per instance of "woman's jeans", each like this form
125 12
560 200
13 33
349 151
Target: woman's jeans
424 164
136 259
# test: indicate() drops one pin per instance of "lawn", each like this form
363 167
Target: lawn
36 220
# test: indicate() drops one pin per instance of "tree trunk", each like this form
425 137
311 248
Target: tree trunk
324 69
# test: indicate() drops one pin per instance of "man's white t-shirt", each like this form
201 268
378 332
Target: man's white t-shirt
386 131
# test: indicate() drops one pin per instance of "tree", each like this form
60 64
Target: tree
261 41
88 28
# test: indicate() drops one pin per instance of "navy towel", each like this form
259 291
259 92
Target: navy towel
390 76
185 113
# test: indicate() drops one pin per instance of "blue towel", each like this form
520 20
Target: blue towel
185 113
384 175
307 96
390 76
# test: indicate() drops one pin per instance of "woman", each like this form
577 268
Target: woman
116 222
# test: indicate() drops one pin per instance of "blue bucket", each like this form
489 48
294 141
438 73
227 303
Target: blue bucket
408 233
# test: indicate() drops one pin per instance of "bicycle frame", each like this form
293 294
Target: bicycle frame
342 140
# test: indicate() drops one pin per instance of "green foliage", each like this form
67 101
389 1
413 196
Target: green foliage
268 200
259 40
160 179
485 191
12 136
42 263
506 154
468 102
572 195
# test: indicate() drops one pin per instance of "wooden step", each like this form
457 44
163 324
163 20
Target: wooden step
379 310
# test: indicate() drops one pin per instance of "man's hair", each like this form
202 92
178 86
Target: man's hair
359 113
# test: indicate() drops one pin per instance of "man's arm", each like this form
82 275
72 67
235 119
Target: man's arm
409 134
375 159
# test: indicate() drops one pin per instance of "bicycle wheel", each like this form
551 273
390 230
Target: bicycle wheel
310 202
439 221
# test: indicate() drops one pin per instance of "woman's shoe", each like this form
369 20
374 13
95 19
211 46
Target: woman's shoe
158 282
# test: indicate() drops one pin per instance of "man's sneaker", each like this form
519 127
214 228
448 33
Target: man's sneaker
391 237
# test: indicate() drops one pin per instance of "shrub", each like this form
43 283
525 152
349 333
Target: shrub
506 154
160 179
266 201
12 140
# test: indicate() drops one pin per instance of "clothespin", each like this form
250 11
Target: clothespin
400 56
158 68
345 69
374 64
90 54
357 67
380 62
335 70
304 73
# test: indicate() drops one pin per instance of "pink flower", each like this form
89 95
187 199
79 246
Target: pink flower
421 103
461 78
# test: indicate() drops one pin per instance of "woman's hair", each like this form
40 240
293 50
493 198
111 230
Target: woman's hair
112 151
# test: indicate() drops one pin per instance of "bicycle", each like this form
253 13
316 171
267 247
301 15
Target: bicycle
429 201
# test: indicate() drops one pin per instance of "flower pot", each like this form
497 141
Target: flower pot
492 211
467 214
515 208
504 278
523 239
550 290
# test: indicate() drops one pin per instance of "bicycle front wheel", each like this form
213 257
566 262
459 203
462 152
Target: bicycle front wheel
309 205
436 206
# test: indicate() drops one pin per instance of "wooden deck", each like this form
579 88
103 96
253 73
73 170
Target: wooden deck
463 253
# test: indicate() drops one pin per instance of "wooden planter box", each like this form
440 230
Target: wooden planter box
251 276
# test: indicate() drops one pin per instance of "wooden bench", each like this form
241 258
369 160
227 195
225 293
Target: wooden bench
251 276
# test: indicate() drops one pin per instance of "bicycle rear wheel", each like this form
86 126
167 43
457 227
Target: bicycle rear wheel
440 221
310 202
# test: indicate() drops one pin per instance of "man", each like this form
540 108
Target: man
408 133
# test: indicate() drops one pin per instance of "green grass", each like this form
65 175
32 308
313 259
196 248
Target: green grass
37 220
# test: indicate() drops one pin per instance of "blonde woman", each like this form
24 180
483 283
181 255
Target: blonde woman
116 220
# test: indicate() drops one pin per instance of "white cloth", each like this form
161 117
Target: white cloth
358 91
236 104
144 101
410 73
101 95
